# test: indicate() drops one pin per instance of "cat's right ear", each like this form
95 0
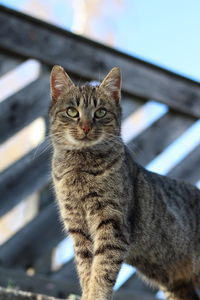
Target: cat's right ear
112 84
59 82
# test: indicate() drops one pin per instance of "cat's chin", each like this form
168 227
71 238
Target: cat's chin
78 144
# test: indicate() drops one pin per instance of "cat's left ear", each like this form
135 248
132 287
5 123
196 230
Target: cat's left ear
112 84
59 82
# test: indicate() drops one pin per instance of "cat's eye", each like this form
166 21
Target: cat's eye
100 113
72 112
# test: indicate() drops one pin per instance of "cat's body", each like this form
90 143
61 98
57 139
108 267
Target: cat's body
114 209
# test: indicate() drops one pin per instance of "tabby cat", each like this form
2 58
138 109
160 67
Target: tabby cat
115 210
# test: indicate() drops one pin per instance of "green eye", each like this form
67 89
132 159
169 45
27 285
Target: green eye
72 112
100 113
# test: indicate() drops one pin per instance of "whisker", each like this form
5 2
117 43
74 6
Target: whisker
46 144
44 149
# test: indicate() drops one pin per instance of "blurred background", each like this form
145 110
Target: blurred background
164 33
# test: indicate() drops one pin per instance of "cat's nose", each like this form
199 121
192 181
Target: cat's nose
86 126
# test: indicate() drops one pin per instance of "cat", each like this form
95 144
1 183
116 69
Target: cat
115 210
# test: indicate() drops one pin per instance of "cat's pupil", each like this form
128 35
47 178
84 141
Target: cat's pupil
72 112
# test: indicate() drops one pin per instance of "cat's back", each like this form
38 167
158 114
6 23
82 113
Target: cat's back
162 202
175 201
178 195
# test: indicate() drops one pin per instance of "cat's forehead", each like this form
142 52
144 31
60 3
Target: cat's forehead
87 90
88 95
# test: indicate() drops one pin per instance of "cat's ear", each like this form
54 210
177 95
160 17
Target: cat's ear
59 82
112 84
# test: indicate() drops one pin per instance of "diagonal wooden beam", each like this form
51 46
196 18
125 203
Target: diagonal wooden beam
26 36
27 175
188 169
158 136
35 239
24 107
8 62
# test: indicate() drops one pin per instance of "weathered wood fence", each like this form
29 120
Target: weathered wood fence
31 247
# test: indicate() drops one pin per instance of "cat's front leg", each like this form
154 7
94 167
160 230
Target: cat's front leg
110 248
83 255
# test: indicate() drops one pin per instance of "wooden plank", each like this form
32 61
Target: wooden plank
43 264
24 107
26 36
188 169
57 288
8 62
37 283
24 177
19 295
8 294
158 136
35 239
68 270
129 105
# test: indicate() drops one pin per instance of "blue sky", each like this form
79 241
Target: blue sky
163 32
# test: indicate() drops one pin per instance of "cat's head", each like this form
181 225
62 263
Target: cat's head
84 116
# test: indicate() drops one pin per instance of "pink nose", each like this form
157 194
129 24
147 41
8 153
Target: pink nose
86 126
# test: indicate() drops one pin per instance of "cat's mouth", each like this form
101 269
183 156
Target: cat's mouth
85 138
77 141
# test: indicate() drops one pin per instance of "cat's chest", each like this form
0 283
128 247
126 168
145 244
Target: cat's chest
78 174
75 182
75 179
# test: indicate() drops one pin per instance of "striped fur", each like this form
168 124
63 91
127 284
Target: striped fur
114 210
